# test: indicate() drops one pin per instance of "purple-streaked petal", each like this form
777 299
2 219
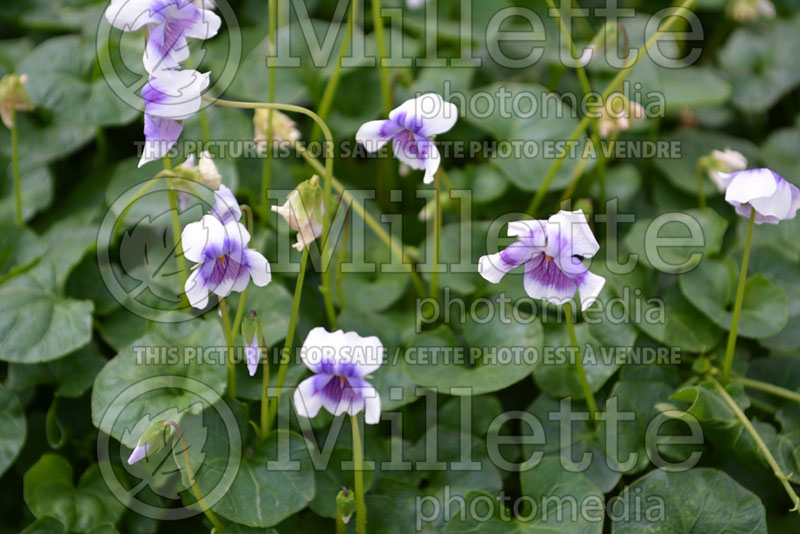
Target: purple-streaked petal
493 267
374 135
545 280
306 402
258 267
252 353
589 287
166 49
196 290
342 395
130 15
175 94
138 453
531 232
226 207
572 226
199 24
160 136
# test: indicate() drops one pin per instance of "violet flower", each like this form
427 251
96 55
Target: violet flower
410 127
551 252
340 362
769 194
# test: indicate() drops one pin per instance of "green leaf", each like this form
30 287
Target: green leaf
19 249
328 482
550 121
45 525
37 325
496 354
49 491
711 288
72 375
68 241
716 503
685 238
37 189
175 381
546 481
13 428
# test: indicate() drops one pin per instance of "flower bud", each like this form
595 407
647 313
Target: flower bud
283 128
618 113
152 440
251 334
345 505
303 211
721 164
13 97
209 175
744 11
605 38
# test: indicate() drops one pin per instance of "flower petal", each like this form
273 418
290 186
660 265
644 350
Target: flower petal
432 161
493 267
252 353
226 207
589 287
572 226
160 136
138 453
306 402
196 290
372 406
175 94
545 280
258 267
374 135
197 237
130 15
746 186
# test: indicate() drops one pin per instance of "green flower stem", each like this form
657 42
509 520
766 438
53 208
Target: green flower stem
358 477
237 320
264 428
176 228
286 353
333 82
776 469
737 307
586 121
393 245
340 261
218 525
229 339
437 237
767 388
587 391
386 88
15 165
328 177
201 113
266 167
701 190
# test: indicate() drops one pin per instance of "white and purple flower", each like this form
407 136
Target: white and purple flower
411 127
769 194
551 251
169 23
722 164
226 208
169 98
340 362
224 263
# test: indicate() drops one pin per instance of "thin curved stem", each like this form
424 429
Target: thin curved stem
333 82
776 469
328 177
264 428
437 237
767 388
586 121
701 189
15 166
286 353
218 525
266 168
386 87
180 259
229 339
737 307
358 477
587 391
393 245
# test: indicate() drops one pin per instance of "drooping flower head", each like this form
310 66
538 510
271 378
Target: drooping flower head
303 211
551 252
340 362
283 128
769 194
169 98
744 11
251 336
224 263
722 164
618 113
152 439
411 127
169 23
13 97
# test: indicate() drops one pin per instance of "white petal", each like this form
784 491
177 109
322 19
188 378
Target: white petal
206 27
427 114
175 94
432 162
130 15
306 404
720 179
778 204
197 236
369 135
372 406
573 226
589 288
317 348
534 229
196 290
748 185
138 453
366 353
259 267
